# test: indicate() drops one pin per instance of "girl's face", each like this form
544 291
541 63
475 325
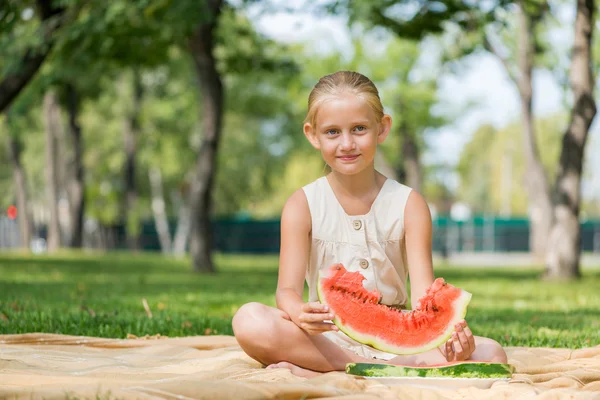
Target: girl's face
346 132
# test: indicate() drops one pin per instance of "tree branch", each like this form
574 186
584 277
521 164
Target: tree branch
487 44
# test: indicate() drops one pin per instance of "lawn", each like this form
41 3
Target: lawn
102 295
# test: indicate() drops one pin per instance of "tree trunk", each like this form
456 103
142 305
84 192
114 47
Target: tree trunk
23 216
76 185
182 233
12 84
158 209
384 167
564 250
202 45
131 132
411 163
410 171
52 126
536 181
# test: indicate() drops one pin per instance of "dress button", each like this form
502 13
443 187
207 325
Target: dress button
364 264
357 224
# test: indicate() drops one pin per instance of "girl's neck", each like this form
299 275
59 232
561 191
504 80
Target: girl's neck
365 183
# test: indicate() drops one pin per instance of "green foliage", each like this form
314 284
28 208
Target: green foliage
96 53
260 118
18 122
101 295
301 168
13 26
492 154
416 19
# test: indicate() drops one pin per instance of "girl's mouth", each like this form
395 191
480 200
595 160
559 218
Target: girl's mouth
349 158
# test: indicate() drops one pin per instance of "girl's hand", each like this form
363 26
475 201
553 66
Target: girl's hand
461 345
313 316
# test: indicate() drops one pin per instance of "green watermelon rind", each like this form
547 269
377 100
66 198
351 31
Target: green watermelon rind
461 370
459 305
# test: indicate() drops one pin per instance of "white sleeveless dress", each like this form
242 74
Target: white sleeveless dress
372 243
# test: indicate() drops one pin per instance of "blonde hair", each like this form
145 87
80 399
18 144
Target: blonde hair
339 83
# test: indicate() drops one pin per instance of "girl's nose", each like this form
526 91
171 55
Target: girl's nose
348 142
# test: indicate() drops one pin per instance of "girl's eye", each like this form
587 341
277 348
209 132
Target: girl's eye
330 132
360 128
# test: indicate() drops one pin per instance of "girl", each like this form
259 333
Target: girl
357 217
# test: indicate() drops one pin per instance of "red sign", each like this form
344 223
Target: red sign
12 212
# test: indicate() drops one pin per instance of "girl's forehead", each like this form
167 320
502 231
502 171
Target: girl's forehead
343 106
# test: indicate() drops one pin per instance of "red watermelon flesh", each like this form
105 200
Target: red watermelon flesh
359 314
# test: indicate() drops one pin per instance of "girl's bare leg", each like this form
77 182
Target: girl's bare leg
269 336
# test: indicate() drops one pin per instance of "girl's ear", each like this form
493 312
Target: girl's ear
311 135
384 128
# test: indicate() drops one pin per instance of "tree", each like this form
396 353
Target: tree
492 169
564 248
529 16
411 20
76 182
469 28
14 150
415 20
202 44
28 56
53 126
18 75
109 39
24 168
131 133
256 125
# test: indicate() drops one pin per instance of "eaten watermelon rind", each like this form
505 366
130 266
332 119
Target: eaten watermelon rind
458 370
459 305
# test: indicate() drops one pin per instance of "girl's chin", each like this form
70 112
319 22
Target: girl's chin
348 169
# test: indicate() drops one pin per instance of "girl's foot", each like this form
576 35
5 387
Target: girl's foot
296 370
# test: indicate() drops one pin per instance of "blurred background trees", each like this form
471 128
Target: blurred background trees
128 116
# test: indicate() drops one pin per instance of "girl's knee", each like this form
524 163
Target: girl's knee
490 350
246 317
498 353
251 323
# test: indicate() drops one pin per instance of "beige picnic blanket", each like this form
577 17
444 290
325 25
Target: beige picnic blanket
47 366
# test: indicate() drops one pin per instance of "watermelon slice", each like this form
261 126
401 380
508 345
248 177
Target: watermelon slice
451 370
359 315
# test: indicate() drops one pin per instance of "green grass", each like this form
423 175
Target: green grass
101 295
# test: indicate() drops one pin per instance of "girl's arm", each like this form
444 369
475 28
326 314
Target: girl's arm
417 228
293 259
417 231
293 256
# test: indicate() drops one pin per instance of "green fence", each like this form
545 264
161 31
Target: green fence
480 234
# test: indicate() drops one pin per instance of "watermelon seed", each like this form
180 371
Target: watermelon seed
434 308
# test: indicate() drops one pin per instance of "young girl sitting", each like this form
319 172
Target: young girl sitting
357 217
